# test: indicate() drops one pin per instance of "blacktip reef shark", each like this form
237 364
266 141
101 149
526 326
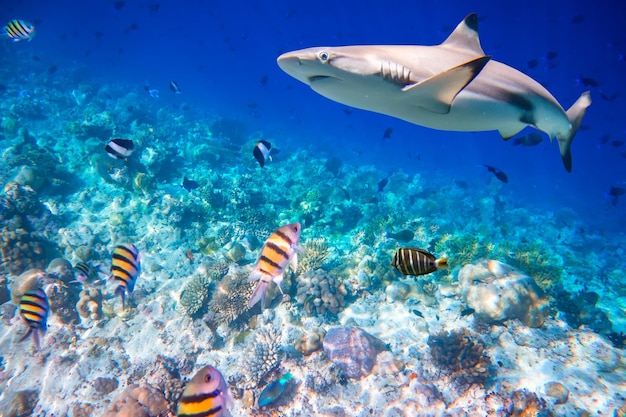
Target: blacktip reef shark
451 86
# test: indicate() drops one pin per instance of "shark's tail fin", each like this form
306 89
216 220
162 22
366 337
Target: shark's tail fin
575 115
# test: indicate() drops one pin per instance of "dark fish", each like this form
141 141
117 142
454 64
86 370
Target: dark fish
118 148
263 152
52 69
19 30
609 97
587 82
382 184
531 139
387 133
552 55
273 390
617 143
579 18
174 87
467 311
206 395
348 112
415 261
605 139
34 309
190 185
98 34
499 174
264 80
533 63
125 268
404 235
346 193
118 5
417 313
154 7
461 184
616 191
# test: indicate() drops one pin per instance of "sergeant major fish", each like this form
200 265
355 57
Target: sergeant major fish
205 395
87 274
19 30
34 309
415 261
125 268
278 251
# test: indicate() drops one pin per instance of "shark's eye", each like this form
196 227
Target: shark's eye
323 56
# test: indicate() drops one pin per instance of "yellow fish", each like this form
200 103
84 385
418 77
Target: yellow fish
206 395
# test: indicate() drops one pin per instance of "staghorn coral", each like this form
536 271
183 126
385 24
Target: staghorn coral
195 295
138 401
460 356
90 303
315 254
230 300
263 356
320 293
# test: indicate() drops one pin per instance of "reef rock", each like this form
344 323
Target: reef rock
352 350
498 292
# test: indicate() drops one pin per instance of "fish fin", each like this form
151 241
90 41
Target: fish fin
255 275
437 92
575 115
278 279
258 295
510 131
121 292
30 330
465 36
294 262
441 263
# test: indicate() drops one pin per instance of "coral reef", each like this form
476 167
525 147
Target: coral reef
460 356
320 293
263 356
499 292
230 299
195 296
138 401
523 403
164 374
580 309
310 342
63 299
352 350
90 303
26 281
314 256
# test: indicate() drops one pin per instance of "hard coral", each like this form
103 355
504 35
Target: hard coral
263 356
523 403
320 293
352 350
460 356
139 401
310 342
230 300
195 295
315 254
90 303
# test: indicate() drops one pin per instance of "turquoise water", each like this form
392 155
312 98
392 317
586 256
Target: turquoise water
85 78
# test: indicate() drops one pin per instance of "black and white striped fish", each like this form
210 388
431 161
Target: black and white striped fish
415 261
120 148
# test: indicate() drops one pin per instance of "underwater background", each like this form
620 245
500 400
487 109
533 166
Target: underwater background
99 70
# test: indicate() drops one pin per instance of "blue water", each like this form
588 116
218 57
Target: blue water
219 52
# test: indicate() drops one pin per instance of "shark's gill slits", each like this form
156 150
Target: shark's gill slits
395 73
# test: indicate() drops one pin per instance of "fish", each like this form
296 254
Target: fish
587 82
19 30
403 235
278 251
189 185
617 143
382 184
609 97
87 274
34 309
152 92
175 88
125 269
531 139
118 148
273 390
205 395
616 191
387 133
533 63
552 55
417 313
461 184
452 86
605 138
467 311
499 174
263 152
416 261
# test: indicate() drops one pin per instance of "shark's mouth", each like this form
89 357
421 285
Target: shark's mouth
314 78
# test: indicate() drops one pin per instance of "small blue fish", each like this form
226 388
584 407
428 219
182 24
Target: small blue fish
273 390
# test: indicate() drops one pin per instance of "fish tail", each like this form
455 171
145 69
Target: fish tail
28 333
441 263
120 290
575 115
258 294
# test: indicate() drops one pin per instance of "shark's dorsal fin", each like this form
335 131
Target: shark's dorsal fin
465 36
437 92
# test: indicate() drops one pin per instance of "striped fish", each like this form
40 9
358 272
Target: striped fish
19 30
205 395
415 261
87 274
118 148
278 251
125 268
34 309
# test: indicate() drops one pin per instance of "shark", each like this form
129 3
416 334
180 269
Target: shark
452 86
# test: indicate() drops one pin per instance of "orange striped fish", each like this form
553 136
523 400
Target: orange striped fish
278 251
125 268
415 261
34 309
206 395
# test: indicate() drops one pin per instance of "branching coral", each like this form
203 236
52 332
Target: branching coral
263 356
230 300
314 256
195 295
320 293
460 356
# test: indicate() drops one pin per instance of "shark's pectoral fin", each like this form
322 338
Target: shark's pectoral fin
437 92
508 132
